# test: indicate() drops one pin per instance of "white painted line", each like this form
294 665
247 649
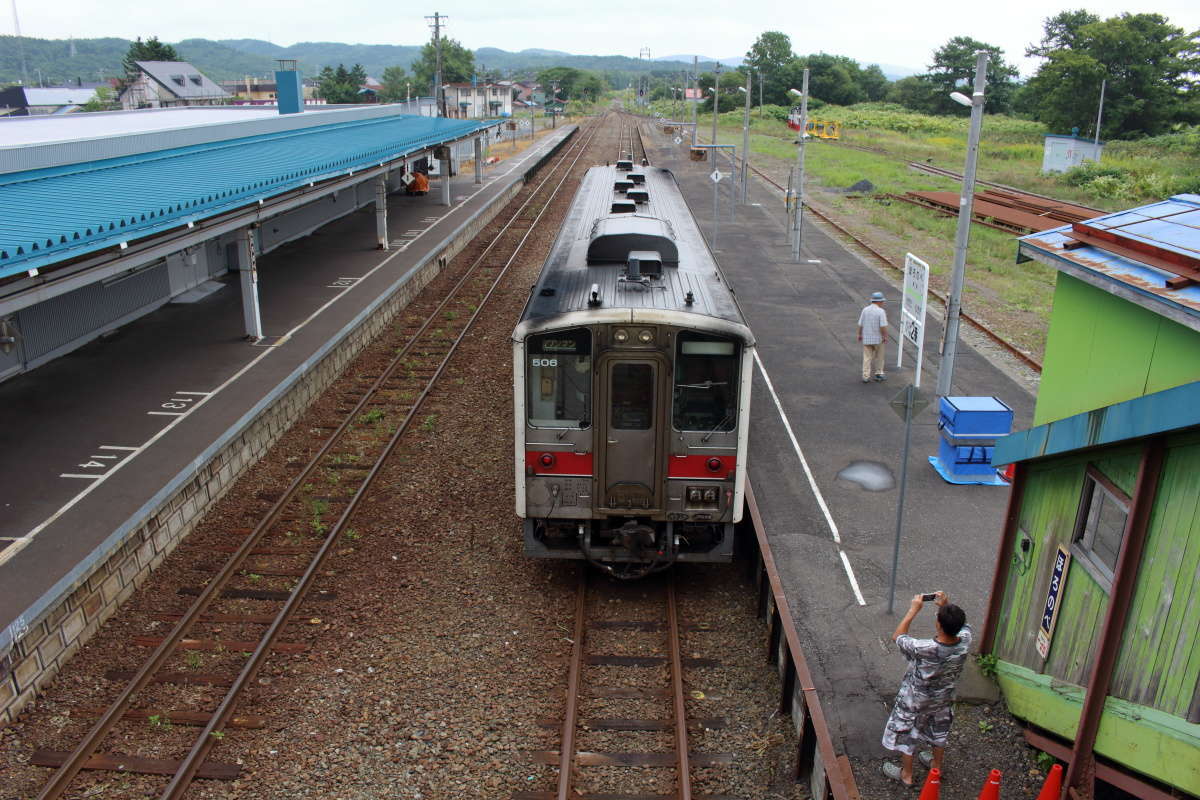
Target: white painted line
833 529
813 260
167 413
96 456
21 542
87 477
118 447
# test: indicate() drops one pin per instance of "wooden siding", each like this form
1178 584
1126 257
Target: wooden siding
1048 514
1159 662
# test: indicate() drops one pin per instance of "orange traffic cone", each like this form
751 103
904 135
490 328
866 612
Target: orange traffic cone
933 786
1052 788
991 789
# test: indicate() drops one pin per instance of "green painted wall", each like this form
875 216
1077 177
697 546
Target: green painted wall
1152 718
1103 350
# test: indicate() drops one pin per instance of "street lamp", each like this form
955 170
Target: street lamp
746 139
798 183
962 234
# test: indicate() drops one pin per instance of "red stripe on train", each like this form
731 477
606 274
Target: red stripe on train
699 466
560 463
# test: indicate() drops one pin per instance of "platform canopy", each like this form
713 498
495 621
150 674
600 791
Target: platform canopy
59 213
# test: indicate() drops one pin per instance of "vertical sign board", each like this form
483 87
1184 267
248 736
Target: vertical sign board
912 310
1058 576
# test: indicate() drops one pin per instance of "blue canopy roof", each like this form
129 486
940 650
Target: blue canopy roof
54 214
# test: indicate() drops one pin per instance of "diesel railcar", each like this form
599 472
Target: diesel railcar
632 369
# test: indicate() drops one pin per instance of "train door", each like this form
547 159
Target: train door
630 471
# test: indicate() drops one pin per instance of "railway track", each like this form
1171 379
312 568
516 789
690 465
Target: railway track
275 568
864 249
632 661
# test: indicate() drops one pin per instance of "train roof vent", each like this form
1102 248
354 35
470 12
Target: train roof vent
637 177
614 238
624 164
624 207
622 186
638 195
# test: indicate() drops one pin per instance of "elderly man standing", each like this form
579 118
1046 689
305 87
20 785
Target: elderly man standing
924 705
872 332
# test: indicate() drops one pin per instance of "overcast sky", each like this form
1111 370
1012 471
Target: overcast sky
871 31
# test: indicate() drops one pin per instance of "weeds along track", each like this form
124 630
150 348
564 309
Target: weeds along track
259 584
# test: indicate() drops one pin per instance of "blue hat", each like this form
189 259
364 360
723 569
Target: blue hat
877 297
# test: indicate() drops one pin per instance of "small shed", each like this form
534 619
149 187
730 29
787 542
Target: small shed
1060 152
1094 615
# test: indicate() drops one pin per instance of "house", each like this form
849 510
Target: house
252 90
1094 616
20 101
164 84
468 101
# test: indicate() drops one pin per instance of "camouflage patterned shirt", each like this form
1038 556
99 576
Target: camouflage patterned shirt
933 669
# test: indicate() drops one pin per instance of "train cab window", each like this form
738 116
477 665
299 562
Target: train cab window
559 379
632 396
706 380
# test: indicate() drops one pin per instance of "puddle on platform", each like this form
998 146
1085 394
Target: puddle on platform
870 475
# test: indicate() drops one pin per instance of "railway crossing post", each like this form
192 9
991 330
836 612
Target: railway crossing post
381 230
248 273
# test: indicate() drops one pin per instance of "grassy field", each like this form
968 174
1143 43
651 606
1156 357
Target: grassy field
1014 299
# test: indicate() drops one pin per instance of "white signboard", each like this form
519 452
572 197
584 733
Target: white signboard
716 176
912 310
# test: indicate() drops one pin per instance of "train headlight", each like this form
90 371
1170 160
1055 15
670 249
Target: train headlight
710 495
695 494
645 337
546 460
621 336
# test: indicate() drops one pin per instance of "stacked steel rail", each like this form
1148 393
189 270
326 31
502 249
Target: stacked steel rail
400 391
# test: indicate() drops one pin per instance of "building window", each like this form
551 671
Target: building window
1100 527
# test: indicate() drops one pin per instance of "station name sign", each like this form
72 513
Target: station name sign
1058 576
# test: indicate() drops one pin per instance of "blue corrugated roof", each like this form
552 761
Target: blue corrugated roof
1180 233
50 215
1169 410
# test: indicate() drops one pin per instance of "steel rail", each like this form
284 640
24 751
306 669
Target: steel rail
204 742
566 760
56 786
681 732
1012 349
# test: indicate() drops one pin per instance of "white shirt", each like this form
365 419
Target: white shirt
872 320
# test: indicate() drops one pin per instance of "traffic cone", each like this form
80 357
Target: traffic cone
1052 788
991 789
933 786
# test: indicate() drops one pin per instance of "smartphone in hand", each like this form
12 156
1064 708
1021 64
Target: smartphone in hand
929 596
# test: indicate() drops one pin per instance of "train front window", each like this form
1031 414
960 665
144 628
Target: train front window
706 378
559 379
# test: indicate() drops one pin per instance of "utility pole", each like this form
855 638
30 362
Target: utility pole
695 94
714 151
644 81
746 140
963 233
1100 112
438 95
798 184
20 44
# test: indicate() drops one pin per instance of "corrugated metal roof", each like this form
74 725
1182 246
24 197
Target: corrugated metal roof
58 213
58 97
182 79
1123 273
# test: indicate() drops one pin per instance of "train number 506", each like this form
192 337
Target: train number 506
545 362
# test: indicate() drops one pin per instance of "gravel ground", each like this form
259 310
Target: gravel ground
435 647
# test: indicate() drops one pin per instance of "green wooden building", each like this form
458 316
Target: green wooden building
1094 616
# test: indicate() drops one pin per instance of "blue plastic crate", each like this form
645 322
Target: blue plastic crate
975 417
966 459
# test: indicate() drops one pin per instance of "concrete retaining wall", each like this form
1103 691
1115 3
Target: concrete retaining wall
49 640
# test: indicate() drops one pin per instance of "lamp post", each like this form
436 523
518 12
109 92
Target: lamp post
962 234
746 139
798 183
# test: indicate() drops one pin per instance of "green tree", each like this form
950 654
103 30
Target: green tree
953 70
458 64
589 88
396 85
915 92
874 83
103 100
835 79
770 57
731 98
567 78
1150 65
1061 31
150 50
341 85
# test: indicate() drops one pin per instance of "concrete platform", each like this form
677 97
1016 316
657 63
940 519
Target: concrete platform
98 442
833 538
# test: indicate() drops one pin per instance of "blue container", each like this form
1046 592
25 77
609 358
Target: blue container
970 427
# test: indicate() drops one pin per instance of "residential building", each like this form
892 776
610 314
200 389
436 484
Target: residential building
166 84
20 101
467 101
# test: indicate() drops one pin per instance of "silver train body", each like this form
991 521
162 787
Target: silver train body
632 368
